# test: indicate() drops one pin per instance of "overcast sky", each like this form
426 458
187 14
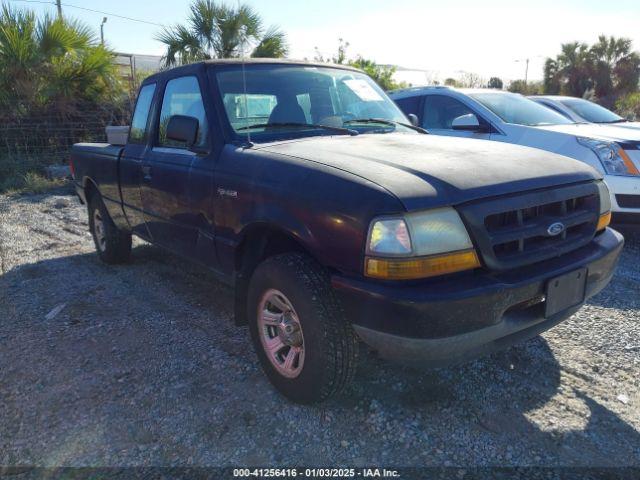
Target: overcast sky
485 37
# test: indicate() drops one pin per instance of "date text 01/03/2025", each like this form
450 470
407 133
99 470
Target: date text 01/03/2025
316 473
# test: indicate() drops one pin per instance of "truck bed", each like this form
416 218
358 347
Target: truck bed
100 163
96 149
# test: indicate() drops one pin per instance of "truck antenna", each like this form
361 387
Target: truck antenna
244 81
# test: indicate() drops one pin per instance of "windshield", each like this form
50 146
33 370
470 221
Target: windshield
514 108
591 112
295 100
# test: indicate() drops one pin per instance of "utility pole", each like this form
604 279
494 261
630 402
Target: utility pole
104 20
59 5
526 69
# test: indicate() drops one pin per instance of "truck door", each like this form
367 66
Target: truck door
438 113
177 184
130 167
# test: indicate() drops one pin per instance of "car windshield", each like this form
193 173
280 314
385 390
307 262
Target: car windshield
514 108
269 102
591 112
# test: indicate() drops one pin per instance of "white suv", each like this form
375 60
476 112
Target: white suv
509 117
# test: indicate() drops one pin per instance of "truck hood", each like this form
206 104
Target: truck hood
426 171
599 131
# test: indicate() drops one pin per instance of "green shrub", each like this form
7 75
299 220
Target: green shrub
628 106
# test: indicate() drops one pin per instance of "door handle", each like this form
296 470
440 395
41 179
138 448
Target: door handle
146 172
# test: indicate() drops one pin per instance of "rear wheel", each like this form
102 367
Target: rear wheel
305 346
113 245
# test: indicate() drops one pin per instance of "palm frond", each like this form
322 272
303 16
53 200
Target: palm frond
19 58
216 29
58 36
272 45
52 63
250 20
17 37
182 46
203 20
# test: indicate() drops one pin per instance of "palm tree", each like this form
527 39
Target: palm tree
610 49
550 81
53 63
216 30
575 68
495 82
615 65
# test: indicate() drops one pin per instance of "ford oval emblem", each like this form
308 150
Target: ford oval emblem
555 229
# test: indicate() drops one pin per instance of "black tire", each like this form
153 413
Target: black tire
116 244
330 344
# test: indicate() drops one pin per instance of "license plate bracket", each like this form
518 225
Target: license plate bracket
565 291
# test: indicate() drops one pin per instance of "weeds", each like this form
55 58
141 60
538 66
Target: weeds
34 183
29 183
24 176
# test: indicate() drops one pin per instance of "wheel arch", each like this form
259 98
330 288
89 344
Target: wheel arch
258 242
90 188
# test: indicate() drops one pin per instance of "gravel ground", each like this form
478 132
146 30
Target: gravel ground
141 365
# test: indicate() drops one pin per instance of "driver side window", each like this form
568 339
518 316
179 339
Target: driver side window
439 112
182 97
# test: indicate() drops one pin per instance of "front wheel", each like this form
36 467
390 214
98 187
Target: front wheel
305 346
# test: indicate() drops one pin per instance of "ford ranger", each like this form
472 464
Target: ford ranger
337 221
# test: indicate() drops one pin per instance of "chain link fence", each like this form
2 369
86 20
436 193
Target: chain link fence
49 138
33 142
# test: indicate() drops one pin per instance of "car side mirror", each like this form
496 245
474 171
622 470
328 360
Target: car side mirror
413 118
468 122
182 128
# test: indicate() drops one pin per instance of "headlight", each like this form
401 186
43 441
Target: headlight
389 237
605 206
613 158
419 245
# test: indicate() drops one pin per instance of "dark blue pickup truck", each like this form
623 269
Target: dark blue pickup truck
338 221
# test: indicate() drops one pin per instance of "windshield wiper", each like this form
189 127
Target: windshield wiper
343 131
620 120
384 121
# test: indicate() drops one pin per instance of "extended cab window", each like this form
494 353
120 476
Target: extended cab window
439 111
182 97
248 109
138 133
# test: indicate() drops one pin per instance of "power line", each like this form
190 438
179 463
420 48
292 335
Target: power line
93 11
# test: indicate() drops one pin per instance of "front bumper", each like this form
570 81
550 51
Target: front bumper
449 320
627 189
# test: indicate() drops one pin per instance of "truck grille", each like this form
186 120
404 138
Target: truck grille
528 228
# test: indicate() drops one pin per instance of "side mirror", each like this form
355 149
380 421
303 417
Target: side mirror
183 129
468 122
413 118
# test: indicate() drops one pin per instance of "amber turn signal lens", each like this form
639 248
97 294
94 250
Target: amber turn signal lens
603 221
631 168
421 267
